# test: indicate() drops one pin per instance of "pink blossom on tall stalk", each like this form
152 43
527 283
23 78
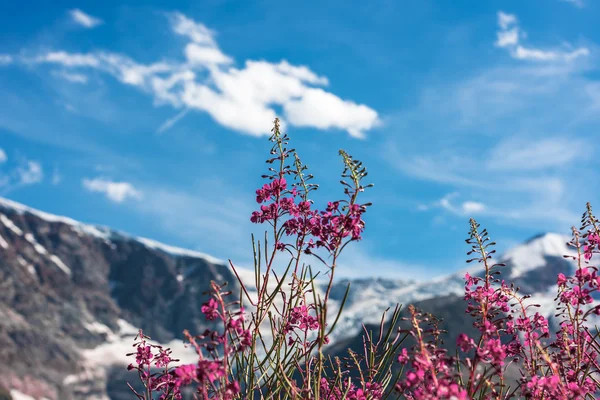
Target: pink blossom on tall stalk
559 365
298 228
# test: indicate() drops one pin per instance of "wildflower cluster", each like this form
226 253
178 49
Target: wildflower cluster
241 362
311 228
299 228
293 357
430 374
211 373
147 356
563 366
370 390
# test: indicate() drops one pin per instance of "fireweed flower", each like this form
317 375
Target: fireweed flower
554 365
210 309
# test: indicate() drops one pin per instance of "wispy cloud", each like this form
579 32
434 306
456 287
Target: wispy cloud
238 98
5 59
512 196
31 172
12 177
114 191
69 59
83 19
532 168
168 124
518 153
56 176
72 77
464 208
509 36
576 3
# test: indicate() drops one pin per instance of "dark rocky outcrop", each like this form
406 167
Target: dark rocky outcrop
64 287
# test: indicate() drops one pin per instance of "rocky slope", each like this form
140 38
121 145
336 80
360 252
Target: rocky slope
72 297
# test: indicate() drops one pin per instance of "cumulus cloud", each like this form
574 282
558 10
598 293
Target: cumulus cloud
3 156
83 19
114 191
509 35
237 98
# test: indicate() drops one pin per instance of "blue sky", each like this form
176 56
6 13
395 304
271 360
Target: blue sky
154 119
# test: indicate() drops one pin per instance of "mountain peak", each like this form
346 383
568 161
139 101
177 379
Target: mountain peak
532 254
103 232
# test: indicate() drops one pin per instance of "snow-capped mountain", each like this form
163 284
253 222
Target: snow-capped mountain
73 295
532 266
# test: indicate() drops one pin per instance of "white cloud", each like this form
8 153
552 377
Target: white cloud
472 207
197 32
203 55
83 19
466 208
508 37
523 53
69 59
505 20
238 98
30 173
5 59
27 172
324 110
73 77
115 191
521 154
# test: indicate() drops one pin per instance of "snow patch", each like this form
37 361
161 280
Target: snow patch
178 251
530 255
42 250
60 264
114 350
97 327
30 267
38 247
10 225
3 243
16 395
103 233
